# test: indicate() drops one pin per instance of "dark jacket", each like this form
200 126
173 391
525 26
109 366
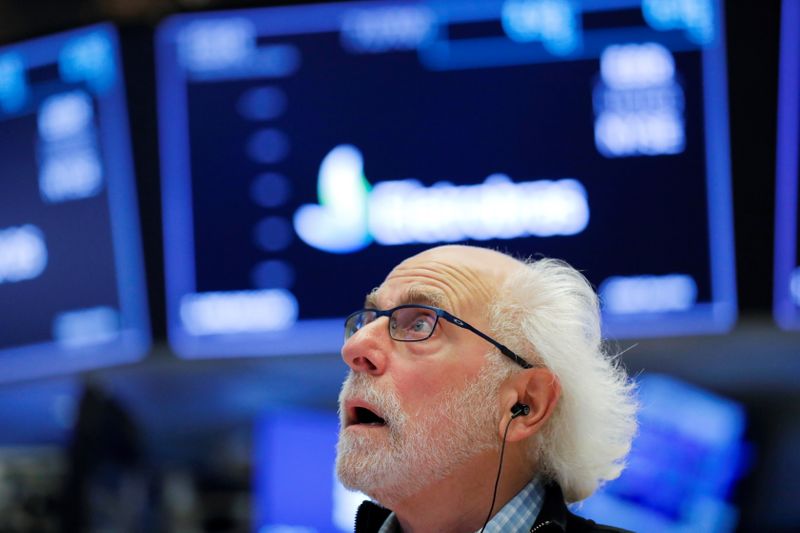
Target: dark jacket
554 517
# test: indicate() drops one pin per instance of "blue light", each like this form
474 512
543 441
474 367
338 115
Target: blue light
338 224
292 446
268 146
383 29
89 58
227 48
638 104
648 294
273 274
786 291
262 103
74 175
251 311
65 115
13 88
23 253
794 286
270 189
554 23
86 327
273 234
69 159
216 44
690 445
636 66
404 211
696 17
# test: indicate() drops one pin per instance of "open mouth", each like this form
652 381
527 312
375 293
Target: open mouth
363 416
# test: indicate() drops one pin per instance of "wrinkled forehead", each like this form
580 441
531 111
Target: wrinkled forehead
412 294
462 280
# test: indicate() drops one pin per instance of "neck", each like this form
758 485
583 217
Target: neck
460 502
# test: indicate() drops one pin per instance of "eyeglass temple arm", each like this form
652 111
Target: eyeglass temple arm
503 349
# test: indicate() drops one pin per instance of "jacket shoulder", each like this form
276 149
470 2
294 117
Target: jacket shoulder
556 517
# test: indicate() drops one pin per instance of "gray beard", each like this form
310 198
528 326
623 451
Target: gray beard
410 453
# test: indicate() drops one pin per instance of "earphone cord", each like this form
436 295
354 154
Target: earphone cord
499 469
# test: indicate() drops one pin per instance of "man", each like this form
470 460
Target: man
465 355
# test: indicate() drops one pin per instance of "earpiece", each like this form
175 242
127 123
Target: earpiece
519 409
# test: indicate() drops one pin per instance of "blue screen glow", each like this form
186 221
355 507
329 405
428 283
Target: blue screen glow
306 150
292 446
786 299
72 291
684 463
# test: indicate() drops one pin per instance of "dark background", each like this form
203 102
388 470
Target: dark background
193 416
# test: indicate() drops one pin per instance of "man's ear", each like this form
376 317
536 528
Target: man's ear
540 390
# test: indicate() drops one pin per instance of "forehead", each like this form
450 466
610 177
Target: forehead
412 294
459 279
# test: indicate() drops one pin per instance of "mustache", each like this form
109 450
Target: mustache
361 386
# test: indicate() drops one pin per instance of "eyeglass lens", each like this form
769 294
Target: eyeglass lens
356 321
405 323
412 323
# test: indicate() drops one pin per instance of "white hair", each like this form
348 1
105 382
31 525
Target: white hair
548 313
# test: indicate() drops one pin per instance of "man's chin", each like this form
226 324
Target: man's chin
370 483
365 464
355 473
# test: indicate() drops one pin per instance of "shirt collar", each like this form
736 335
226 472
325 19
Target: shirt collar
520 512
515 517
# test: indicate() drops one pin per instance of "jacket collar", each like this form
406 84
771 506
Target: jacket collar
552 517
554 513
371 516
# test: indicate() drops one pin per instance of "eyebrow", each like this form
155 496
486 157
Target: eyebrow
414 295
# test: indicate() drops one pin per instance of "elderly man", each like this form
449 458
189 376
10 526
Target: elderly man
479 397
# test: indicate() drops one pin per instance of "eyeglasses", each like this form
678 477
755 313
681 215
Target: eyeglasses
416 322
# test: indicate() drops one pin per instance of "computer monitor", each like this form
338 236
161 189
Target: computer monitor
686 459
293 446
72 290
306 150
786 299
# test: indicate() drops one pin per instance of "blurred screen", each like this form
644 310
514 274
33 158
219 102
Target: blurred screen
787 261
683 466
307 150
294 464
72 291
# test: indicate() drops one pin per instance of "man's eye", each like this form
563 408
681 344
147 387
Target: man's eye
422 324
409 324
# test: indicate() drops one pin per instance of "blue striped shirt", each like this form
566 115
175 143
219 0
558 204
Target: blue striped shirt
517 516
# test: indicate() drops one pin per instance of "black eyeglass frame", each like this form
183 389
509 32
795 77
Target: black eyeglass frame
440 313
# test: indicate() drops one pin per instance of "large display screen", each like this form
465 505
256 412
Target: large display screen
691 444
72 291
786 300
306 150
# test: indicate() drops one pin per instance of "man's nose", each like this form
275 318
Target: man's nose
366 349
